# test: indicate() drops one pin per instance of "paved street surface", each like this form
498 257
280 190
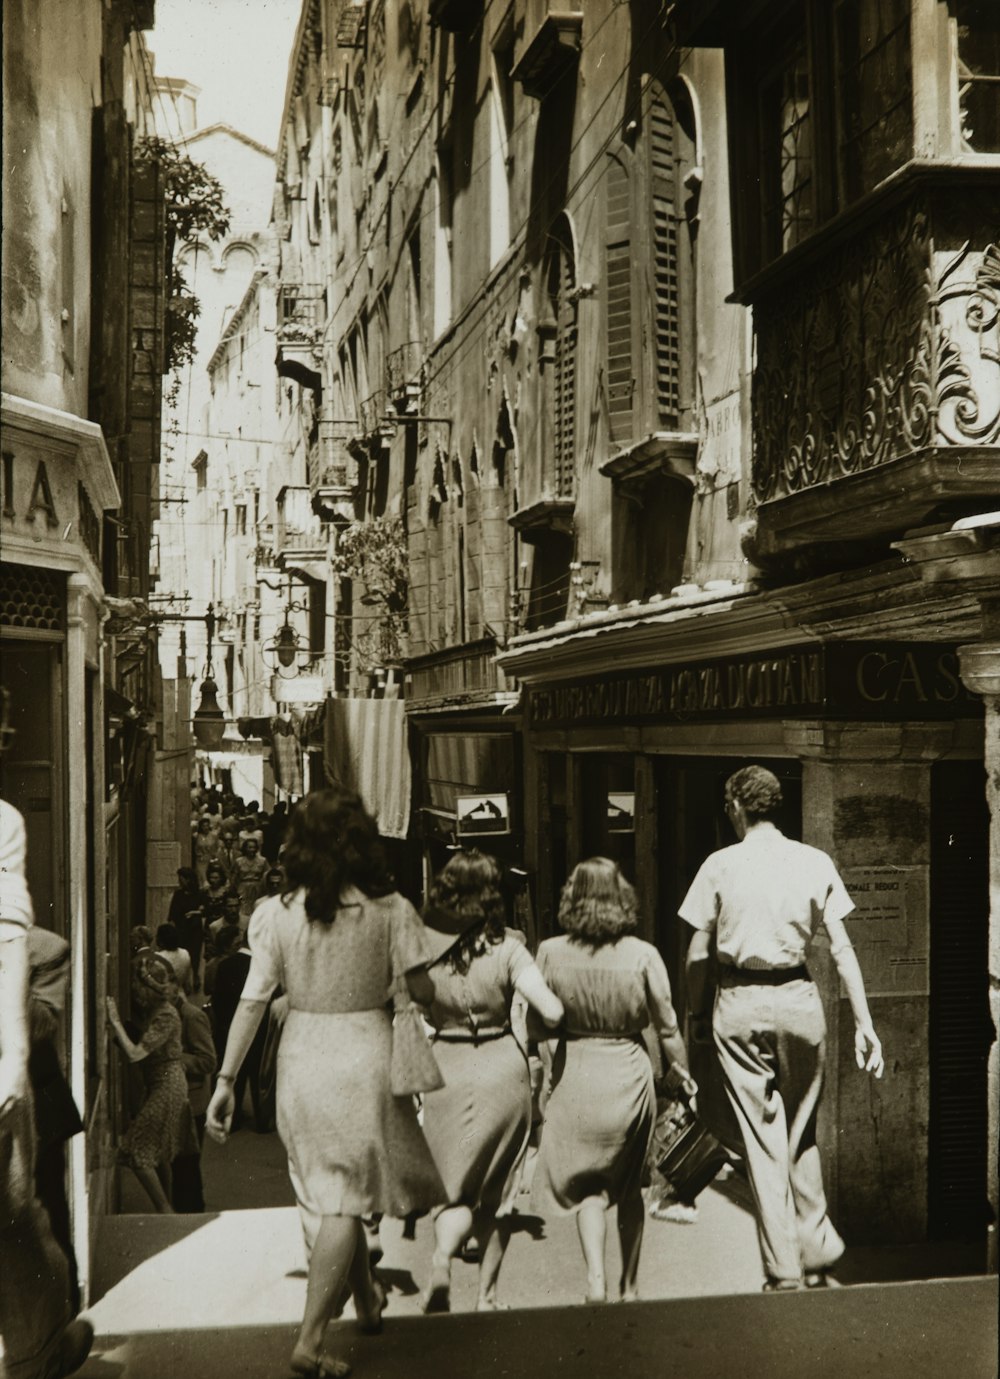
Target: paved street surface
219 1295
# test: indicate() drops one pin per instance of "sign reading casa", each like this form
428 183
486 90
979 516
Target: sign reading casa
847 679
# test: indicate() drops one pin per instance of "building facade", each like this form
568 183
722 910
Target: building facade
82 307
663 341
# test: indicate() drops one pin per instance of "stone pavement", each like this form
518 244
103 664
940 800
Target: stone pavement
220 1295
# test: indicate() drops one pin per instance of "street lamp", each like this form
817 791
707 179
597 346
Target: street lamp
209 722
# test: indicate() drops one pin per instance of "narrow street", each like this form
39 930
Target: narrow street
221 1294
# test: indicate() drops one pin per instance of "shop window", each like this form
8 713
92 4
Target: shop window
558 337
978 37
607 808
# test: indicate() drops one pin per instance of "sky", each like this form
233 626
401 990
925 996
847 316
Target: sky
236 51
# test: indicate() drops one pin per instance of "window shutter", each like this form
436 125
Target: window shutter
621 381
565 378
666 324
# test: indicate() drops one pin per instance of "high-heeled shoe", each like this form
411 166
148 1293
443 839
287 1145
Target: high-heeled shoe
370 1322
306 1366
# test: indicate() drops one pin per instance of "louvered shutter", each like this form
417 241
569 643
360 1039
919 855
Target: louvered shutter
666 323
564 398
621 381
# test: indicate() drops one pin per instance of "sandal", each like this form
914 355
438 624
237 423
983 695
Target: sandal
371 1322
307 1366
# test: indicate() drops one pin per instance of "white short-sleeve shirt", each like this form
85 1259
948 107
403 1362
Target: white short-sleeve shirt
764 899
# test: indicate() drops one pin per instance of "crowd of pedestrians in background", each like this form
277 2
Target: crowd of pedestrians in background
186 980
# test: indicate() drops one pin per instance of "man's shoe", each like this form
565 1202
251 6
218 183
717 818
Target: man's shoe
822 1278
70 1351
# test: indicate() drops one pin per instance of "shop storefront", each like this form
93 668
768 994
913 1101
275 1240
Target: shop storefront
879 746
57 482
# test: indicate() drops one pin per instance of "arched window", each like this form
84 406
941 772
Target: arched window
559 356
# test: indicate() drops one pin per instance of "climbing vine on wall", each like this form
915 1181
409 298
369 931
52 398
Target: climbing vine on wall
374 554
195 208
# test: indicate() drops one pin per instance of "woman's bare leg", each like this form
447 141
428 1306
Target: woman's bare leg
631 1222
493 1237
592 1227
153 1187
329 1266
452 1227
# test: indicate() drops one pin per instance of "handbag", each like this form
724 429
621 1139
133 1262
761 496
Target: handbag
412 1065
689 1154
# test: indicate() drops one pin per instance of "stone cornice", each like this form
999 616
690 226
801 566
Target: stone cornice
885 601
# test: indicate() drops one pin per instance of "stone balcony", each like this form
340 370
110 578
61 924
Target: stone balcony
876 393
299 538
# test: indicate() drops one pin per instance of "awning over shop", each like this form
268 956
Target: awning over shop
366 751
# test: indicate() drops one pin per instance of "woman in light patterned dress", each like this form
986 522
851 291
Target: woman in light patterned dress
164 1126
478 1123
337 941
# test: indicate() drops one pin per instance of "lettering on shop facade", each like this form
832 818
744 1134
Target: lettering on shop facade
43 499
848 679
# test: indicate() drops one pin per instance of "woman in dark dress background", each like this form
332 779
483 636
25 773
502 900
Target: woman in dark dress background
477 1124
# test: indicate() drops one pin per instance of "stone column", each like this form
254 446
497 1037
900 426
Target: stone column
980 669
866 802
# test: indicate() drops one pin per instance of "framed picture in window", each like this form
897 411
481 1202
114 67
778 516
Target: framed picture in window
479 816
621 811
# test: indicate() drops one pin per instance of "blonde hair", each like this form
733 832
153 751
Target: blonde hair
597 905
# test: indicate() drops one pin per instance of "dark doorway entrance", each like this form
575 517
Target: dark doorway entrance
960 1027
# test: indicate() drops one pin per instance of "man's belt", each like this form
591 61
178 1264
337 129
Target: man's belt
765 976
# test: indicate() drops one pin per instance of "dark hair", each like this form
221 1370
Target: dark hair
231 895
757 790
227 938
468 887
186 875
215 866
246 843
597 905
167 936
333 843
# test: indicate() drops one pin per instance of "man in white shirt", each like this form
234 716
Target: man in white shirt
762 901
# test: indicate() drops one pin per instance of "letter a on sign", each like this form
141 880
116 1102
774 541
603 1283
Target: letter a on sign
41 496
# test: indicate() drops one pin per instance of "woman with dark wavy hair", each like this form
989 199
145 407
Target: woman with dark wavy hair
477 1124
600 1107
338 940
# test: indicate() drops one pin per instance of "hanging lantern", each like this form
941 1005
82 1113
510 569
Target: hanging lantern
286 646
209 722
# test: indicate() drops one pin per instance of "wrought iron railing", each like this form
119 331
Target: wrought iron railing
889 347
404 369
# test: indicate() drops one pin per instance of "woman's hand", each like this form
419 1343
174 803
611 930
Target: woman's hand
219 1115
112 1008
